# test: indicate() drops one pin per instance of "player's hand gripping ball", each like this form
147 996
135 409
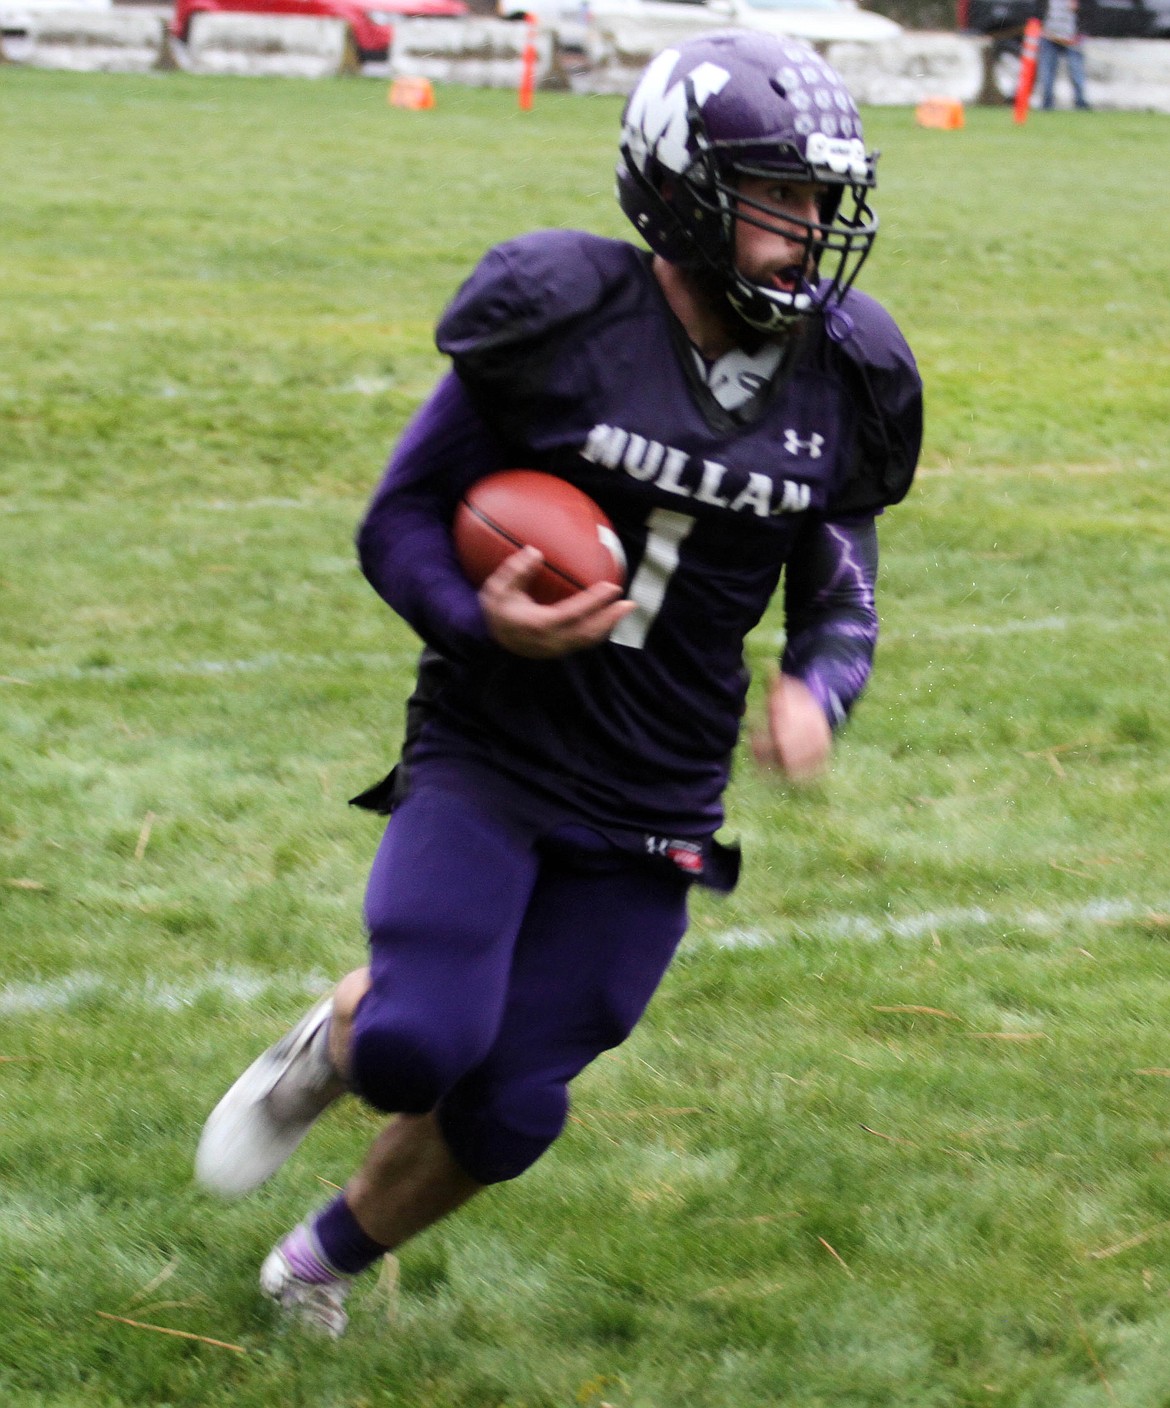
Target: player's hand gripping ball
518 508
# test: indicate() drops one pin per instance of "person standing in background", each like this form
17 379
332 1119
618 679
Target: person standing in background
1061 37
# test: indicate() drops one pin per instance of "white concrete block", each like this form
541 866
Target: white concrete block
96 41
475 52
1125 74
288 46
917 65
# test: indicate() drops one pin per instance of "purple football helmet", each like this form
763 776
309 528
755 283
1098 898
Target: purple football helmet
733 104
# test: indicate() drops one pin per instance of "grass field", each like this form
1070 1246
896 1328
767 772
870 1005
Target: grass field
897 1129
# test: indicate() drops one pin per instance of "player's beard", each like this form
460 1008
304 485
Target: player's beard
711 286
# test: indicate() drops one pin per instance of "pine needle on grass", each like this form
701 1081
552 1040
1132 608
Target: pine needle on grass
1095 1361
890 1138
1007 1036
649 1112
164 1330
388 1286
917 1011
144 1292
144 836
838 1258
1135 1241
748 1288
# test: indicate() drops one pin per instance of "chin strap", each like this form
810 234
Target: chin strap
771 312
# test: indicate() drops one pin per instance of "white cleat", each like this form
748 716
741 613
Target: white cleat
315 1306
269 1110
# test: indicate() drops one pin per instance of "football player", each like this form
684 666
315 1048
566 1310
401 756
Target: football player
741 412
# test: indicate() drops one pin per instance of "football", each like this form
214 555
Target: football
516 508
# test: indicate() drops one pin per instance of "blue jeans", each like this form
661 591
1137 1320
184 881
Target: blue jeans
1050 56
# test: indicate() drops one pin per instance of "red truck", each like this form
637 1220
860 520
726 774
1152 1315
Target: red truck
372 24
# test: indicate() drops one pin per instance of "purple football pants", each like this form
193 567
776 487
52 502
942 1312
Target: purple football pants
501 965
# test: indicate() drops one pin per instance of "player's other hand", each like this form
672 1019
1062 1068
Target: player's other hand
527 628
798 739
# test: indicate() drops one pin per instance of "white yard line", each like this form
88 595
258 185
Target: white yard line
247 987
1027 625
1055 471
860 928
236 984
1022 626
124 507
257 664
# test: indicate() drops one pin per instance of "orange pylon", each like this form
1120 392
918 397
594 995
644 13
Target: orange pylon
946 113
1028 58
409 92
528 65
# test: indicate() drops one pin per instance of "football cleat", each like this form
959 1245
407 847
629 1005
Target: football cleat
269 1110
318 1306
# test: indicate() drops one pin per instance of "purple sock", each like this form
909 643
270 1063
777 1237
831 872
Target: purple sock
345 1248
303 1253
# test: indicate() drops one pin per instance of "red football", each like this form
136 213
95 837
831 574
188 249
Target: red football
516 508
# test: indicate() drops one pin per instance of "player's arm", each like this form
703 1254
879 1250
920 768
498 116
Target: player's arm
832 629
406 552
404 542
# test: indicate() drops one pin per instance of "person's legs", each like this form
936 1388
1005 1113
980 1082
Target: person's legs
592 951
346 996
1049 53
445 901
1076 73
407 1181
446 897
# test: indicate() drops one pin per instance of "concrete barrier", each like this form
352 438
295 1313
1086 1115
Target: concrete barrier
17 15
474 52
285 46
1125 74
605 56
96 41
897 72
917 65
608 55
1122 74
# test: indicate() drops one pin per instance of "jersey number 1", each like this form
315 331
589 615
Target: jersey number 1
665 532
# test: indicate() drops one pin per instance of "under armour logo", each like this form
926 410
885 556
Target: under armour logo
794 445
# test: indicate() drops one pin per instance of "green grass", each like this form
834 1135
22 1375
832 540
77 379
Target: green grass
796 1185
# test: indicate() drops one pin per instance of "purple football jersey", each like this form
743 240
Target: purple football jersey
567 359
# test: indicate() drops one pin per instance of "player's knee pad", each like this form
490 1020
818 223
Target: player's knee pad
495 1134
402 1068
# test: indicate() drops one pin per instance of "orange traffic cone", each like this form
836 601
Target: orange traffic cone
409 92
528 65
946 113
1027 69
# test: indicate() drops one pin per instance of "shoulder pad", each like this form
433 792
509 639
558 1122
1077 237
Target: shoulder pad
887 390
528 288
